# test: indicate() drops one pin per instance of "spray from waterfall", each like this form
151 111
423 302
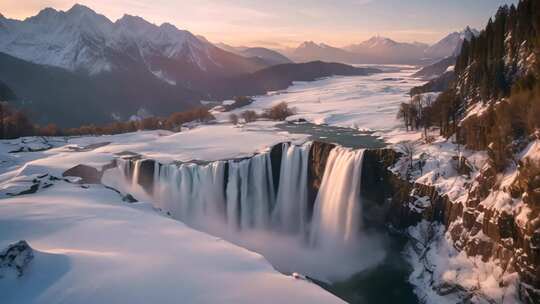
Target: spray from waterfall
237 200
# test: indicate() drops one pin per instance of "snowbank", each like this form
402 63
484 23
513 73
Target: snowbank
90 247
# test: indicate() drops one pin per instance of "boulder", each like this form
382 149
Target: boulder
16 257
88 175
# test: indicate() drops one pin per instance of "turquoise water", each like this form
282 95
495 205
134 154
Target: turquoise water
345 137
388 281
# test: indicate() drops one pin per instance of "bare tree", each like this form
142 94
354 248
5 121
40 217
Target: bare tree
279 112
408 149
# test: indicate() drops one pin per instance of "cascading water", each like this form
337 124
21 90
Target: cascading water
237 200
290 212
191 192
336 217
250 193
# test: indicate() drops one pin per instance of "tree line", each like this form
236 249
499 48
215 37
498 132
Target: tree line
496 73
15 123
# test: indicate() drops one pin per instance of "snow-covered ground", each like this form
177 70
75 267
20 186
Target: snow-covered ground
208 143
91 247
363 103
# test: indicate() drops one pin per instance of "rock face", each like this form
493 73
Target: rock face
88 175
146 175
275 159
16 257
318 155
388 199
497 235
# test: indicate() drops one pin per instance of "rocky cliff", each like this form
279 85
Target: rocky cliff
493 233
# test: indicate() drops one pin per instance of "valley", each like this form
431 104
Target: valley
143 163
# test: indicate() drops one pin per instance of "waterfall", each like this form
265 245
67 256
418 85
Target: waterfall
238 201
336 218
191 192
240 194
250 193
290 213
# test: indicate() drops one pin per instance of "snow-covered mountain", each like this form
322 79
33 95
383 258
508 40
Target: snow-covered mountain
82 40
310 51
381 43
379 49
451 44
375 50
266 55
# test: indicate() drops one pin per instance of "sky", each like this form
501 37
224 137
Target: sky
287 23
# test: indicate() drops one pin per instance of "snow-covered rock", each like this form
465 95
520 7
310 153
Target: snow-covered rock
15 258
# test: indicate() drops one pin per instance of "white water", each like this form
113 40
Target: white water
240 205
250 193
290 212
337 216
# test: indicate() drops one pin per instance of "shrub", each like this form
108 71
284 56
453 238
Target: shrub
249 116
279 112
233 118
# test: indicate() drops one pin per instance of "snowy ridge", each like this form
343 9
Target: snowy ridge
451 44
81 39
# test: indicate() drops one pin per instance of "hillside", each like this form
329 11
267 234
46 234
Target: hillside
489 123
52 94
436 69
281 76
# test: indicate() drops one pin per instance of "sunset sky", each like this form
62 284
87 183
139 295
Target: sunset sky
280 23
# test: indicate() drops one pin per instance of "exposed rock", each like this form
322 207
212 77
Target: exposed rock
146 175
489 233
129 198
276 154
87 148
88 175
16 257
318 156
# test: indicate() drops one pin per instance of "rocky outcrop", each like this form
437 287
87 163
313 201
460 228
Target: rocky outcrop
146 174
15 257
87 174
318 155
276 153
487 232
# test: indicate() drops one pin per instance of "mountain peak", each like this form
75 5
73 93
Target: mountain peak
378 41
133 21
169 27
79 10
451 44
45 13
309 43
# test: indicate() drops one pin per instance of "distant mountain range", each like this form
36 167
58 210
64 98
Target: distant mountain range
265 55
382 50
82 40
77 67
